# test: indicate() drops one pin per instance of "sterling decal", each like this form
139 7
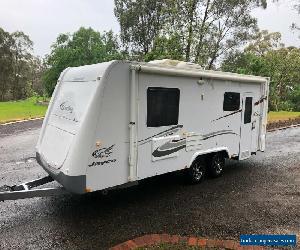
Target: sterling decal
65 107
103 153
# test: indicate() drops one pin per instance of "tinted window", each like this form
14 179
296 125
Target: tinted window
162 106
231 101
248 110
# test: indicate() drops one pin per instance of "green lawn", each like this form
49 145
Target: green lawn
20 110
282 115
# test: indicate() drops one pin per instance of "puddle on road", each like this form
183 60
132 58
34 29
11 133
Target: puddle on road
26 160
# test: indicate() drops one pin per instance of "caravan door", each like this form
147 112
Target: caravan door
246 126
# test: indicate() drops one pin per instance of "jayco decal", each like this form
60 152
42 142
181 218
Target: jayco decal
100 163
103 153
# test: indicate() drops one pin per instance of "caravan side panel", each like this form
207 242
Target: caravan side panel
202 127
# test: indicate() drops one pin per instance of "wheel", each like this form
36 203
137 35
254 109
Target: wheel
196 172
216 165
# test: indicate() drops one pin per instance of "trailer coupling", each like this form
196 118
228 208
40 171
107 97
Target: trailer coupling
24 190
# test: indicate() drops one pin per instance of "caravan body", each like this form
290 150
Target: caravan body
118 122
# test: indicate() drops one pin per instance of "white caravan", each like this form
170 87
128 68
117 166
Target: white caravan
119 122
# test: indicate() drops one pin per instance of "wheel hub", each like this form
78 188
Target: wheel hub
218 166
198 172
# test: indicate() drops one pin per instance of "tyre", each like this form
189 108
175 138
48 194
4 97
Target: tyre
216 165
196 172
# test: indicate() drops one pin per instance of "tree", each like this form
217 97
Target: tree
206 29
213 28
166 48
267 56
22 49
283 68
245 63
141 22
6 63
264 42
85 46
15 65
37 68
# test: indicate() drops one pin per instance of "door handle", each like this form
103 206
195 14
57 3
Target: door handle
253 125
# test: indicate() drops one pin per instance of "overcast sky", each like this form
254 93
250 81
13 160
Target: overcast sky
43 20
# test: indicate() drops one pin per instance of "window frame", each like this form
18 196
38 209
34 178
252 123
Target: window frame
227 106
150 117
246 111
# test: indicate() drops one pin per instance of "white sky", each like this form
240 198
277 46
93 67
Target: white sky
43 20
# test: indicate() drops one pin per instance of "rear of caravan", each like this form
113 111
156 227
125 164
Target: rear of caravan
70 123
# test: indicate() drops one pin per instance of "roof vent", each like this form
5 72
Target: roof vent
176 63
188 65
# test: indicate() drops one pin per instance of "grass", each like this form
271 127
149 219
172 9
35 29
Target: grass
20 110
282 115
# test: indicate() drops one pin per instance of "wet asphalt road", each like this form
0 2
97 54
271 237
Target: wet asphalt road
256 196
